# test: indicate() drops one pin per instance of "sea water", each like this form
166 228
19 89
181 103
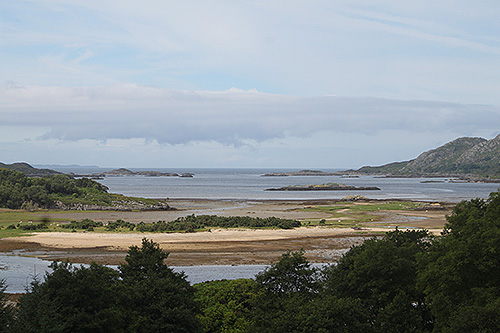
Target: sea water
242 184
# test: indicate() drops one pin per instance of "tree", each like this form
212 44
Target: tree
290 298
144 296
6 310
291 274
382 274
459 274
74 299
283 290
226 305
159 299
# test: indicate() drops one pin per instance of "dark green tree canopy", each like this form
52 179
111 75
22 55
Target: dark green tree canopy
144 296
6 310
160 299
460 273
74 299
381 273
291 274
17 189
226 305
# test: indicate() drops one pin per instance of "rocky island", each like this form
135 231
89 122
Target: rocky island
325 187
301 173
127 172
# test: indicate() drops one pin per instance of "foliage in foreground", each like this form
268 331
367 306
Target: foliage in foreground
372 289
404 282
460 274
6 309
144 295
226 305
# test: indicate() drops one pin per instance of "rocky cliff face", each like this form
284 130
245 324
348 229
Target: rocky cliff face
443 159
464 156
484 152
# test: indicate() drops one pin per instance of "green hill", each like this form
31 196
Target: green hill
65 192
28 170
465 156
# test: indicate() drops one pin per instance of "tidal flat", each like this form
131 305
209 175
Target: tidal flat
329 228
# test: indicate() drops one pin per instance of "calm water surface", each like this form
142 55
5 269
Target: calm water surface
249 184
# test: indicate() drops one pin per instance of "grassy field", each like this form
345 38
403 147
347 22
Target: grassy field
340 215
356 213
15 217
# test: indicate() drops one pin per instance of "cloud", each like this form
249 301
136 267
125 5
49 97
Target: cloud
424 50
227 117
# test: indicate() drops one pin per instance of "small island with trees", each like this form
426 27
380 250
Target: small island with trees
300 173
325 187
148 173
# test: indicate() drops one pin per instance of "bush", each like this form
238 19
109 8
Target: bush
33 226
84 224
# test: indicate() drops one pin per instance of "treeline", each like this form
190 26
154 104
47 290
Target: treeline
19 191
190 223
89 225
403 282
193 222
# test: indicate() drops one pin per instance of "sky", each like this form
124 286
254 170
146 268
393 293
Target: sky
261 84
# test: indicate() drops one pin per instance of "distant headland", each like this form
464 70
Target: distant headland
471 159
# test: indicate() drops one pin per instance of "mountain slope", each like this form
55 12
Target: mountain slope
464 156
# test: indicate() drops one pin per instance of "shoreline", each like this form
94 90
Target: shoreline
221 246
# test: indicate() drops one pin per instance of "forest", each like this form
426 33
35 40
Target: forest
19 191
405 281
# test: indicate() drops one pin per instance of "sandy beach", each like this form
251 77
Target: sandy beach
228 246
